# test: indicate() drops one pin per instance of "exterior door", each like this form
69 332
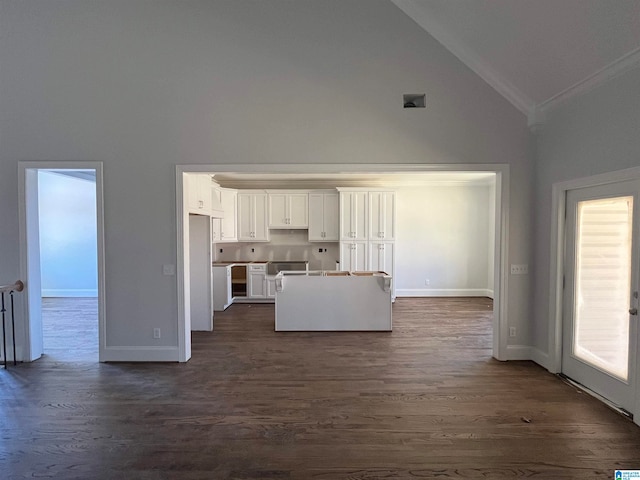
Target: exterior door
600 326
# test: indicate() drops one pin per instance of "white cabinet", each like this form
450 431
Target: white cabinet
257 283
225 229
252 217
324 217
353 256
381 256
382 207
215 230
354 215
222 296
271 286
199 190
288 210
228 224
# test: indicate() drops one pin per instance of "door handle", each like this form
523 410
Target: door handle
633 311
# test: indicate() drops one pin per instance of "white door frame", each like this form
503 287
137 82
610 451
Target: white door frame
501 276
30 255
558 209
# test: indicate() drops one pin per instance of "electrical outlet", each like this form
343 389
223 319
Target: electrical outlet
519 269
512 332
168 269
156 333
427 282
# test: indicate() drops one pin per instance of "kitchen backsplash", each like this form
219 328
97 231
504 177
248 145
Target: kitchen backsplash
284 245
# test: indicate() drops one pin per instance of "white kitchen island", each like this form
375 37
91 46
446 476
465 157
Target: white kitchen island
333 301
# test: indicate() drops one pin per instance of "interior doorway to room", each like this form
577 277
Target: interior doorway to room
325 176
600 326
62 236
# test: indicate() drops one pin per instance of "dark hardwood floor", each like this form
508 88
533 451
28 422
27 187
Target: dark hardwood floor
425 401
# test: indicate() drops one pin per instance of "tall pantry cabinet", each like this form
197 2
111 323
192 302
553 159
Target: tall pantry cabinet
367 230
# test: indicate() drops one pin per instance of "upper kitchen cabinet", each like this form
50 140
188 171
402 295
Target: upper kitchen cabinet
353 215
252 217
324 217
225 230
229 224
288 210
382 207
199 190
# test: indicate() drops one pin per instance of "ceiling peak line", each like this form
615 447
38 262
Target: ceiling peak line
536 113
466 55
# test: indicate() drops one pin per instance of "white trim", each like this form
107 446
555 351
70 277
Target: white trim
501 266
518 352
540 357
556 268
182 272
501 276
419 13
139 354
70 292
616 68
23 167
444 292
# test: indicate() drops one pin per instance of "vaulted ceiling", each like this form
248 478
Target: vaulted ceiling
536 53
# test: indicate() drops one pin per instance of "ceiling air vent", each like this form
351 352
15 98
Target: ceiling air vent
414 100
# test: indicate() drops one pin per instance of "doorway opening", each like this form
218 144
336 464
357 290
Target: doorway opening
61 229
276 174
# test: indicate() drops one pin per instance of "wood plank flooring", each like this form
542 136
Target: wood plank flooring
424 401
70 329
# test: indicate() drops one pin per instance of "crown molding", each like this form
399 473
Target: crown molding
417 12
616 68
536 113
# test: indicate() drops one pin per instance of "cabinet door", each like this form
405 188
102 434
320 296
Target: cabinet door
221 288
353 215
215 230
381 257
278 212
271 287
382 213
245 217
298 210
257 287
204 193
353 256
331 217
261 229
191 189
228 225
316 217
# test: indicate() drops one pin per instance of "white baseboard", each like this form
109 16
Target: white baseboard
444 292
69 292
139 354
518 352
540 357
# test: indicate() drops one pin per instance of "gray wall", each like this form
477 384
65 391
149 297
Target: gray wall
144 85
592 134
